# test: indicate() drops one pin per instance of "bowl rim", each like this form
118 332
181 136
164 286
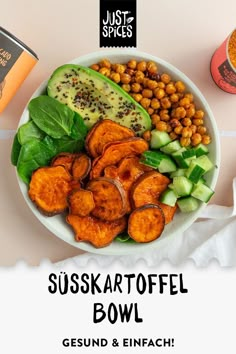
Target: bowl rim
118 248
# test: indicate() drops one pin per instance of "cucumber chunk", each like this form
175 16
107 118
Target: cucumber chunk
159 139
168 197
188 204
158 160
171 147
198 167
202 192
178 172
182 186
201 150
178 157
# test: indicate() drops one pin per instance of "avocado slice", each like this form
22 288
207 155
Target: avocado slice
96 97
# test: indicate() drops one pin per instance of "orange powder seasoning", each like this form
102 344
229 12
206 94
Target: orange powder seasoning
232 49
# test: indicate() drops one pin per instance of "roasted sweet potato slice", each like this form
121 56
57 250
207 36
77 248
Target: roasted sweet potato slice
128 170
49 188
96 231
146 223
169 211
65 159
114 152
81 202
109 198
147 188
103 132
81 167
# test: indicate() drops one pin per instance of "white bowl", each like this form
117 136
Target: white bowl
57 224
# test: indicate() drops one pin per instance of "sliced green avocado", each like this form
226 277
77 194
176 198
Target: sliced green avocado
96 97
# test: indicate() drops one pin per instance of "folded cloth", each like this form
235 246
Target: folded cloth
212 236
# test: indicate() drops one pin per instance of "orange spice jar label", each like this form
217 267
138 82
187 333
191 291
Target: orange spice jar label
16 61
223 64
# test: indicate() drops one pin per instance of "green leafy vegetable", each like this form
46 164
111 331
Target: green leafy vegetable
33 154
51 116
15 151
28 131
66 144
123 238
79 129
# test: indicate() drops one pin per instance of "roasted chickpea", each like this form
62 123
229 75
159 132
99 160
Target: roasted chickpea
151 67
165 78
137 96
186 132
165 103
164 115
201 130
196 139
180 87
189 96
155 103
95 67
206 139
142 66
173 135
185 141
161 84
115 77
151 84
186 122
199 114
162 126
193 128
105 63
169 128
147 93
150 110
147 135
136 87
178 129
119 68
105 71
174 98
190 111
180 112
145 102
170 89
139 76
132 64
159 93
184 102
155 118
197 121
129 71
126 87
145 82
175 123
125 78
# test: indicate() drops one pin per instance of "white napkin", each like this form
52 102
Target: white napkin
212 236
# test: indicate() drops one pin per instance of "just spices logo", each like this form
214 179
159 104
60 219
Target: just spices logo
117 23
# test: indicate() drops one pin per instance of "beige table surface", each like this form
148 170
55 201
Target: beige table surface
183 32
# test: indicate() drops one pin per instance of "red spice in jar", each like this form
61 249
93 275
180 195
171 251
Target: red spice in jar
223 64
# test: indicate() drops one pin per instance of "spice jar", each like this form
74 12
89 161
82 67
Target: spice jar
16 61
223 64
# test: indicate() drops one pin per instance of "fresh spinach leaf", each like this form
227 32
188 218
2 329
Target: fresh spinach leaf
123 237
66 144
51 116
28 131
79 129
33 154
15 150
